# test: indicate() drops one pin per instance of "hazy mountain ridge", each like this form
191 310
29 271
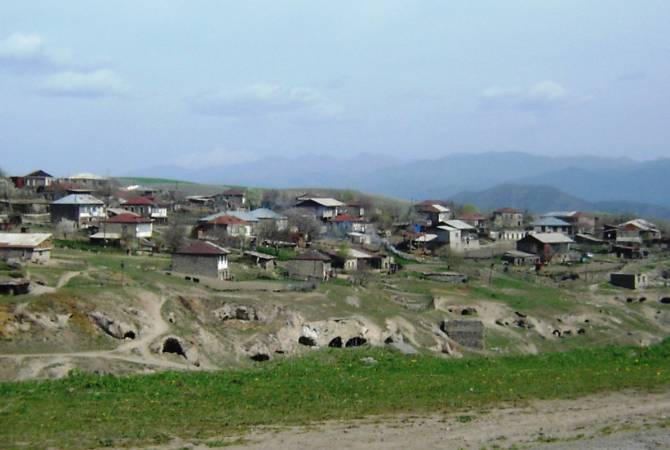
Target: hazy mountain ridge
591 178
540 199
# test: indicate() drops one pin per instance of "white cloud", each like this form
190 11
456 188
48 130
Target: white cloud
29 52
263 99
91 84
541 95
212 158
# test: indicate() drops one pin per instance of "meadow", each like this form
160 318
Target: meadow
88 410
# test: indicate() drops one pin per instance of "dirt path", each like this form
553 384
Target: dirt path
136 351
66 277
611 421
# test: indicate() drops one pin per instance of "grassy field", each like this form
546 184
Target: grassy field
84 411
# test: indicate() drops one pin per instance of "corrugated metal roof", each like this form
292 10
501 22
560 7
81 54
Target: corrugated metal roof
551 238
550 222
78 199
458 224
324 201
265 213
23 240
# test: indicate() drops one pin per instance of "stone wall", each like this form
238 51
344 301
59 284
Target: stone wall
468 333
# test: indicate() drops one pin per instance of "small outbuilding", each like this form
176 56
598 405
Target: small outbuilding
30 247
629 280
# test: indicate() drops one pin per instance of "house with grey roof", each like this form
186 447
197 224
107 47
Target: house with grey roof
551 225
548 246
457 235
82 209
321 207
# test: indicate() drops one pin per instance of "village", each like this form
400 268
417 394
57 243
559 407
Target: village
312 236
253 275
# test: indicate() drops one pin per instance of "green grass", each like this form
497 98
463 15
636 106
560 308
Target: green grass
86 410
282 254
524 295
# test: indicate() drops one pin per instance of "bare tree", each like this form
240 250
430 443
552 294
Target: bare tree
305 223
174 236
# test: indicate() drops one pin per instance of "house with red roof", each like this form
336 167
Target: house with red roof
347 223
221 225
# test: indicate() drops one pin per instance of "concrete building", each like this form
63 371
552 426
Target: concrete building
29 247
507 218
458 236
82 209
202 258
629 280
147 208
130 226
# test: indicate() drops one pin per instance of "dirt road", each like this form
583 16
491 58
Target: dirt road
612 421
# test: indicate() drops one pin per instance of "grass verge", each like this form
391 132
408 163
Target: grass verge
85 410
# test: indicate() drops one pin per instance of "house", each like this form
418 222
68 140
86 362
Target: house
346 223
146 207
457 235
507 235
310 265
266 216
359 238
261 260
202 258
323 208
356 209
351 260
639 228
222 224
581 222
129 227
89 181
433 211
629 280
38 180
479 221
30 247
507 218
551 225
518 258
82 209
233 198
548 246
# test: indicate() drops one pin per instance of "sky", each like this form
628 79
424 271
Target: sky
116 86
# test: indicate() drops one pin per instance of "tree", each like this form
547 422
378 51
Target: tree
304 223
174 236
468 209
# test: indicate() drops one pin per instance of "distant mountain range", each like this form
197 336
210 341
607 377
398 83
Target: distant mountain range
540 199
613 183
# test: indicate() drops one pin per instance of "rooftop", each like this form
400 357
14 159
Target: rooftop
551 238
23 240
128 218
312 255
323 201
202 248
550 222
78 199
